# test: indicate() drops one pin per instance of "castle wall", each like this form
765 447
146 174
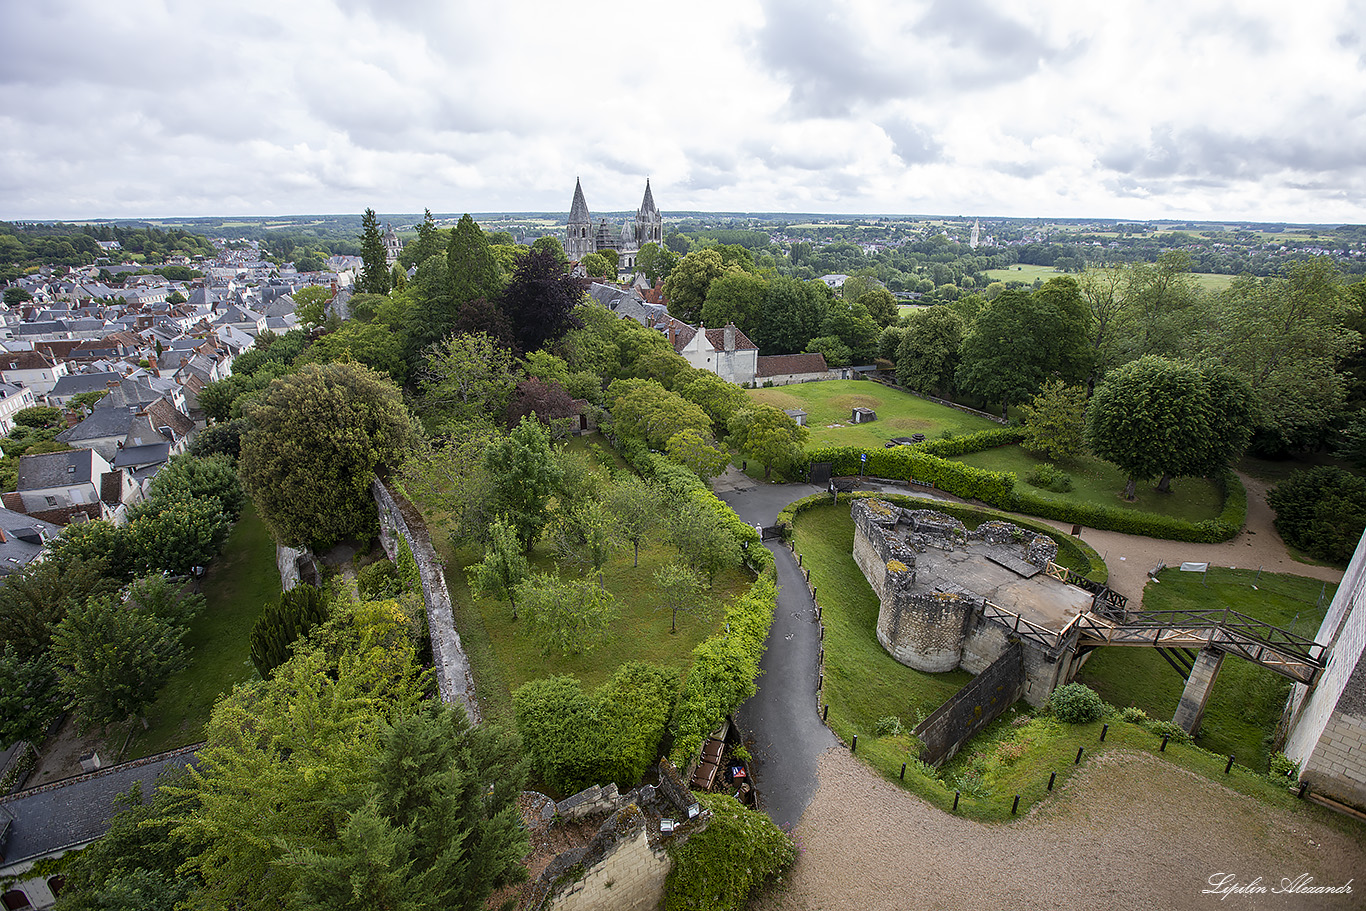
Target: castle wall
973 707
925 631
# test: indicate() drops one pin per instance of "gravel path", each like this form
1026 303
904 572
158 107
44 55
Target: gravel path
1129 831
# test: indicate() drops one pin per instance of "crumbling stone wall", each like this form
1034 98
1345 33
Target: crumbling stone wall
397 518
926 630
973 707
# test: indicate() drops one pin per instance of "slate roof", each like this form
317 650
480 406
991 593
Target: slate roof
104 422
578 209
74 812
717 337
75 384
41 327
22 539
780 364
50 469
139 456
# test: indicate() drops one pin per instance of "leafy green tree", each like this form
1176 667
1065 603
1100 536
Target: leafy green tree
703 540
474 272
1164 304
636 506
584 534
793 313
540 301
191 477
427 243
680 589
283 623
718 398
928 353
572 616
39 416
437 829
723 867
689 282
84 402
112 659
1321 511
880 304
768 436
700 454
1055 421
223 439
1156 417
466 378
1018 341
852 324
644 409
504 566
595 265
374 276
177 534
656 262
835 352
36 598
29 697
170 601
310 304
551 244
96 540
524 472
371 344
735 297
317 439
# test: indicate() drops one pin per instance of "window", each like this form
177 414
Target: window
15 899
55 883
51 501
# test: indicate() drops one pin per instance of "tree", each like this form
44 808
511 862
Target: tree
718 398
97 540
571 615
548 402
1019 340
371 344
584 534
644 409
192 477
687 285
1107 298
524 472
835 351
735 297
540 301
703 540
551 244
283 623
595 265
1321 511
177 534
374 276
1055 421
680 589
112 659
656 262
466 378
928 353
425 245
793 312
438 828
318 437
36 598
699 454
504 566
1156 417
170 601
29 697
880 304
310 304
83 403
768 436
1163 302
636 506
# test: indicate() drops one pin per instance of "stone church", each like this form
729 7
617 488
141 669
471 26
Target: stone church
582 238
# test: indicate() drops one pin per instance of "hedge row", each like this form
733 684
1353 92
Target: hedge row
997 488
726 664
1073 553
949 447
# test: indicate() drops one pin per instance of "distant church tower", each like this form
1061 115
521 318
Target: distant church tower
579 232
976 231
649 223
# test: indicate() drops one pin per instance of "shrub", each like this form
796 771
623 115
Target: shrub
298 611
1134 715
1282 766
1322 511
378 581
722 867
1050 477
888 726
1075 703
1167 729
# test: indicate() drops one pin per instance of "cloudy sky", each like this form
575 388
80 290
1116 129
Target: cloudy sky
1251 110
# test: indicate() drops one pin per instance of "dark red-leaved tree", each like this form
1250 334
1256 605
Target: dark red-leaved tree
548 401
540 301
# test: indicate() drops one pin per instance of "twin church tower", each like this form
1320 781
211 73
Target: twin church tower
581 238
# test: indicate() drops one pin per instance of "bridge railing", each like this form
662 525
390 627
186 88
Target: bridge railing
1025 629
1233 622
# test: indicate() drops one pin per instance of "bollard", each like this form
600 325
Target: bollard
1079 752
822 632
825 712
813 593
1052 777
1015 807
1303 787
799 559
853 747
1165 738
1229 765
1104 728
822 658
903 771
955 801
820 682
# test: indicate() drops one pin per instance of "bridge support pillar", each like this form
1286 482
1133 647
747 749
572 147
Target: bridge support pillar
1191 710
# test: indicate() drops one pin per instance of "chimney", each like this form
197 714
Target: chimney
730 336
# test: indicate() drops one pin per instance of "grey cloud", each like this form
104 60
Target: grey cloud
1200 152
913 143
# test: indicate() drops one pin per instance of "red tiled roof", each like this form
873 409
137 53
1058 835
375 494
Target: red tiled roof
783 364
717 337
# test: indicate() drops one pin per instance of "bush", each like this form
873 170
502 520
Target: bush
888 726
298 611
1321 511
1167 729
378 581
1049 477
1281 766
722 867
950 445
1134 715
1076 703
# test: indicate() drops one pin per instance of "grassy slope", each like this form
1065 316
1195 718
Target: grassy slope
238 584
1097 481
898 413
1247 700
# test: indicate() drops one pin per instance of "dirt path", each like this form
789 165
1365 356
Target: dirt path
1128 832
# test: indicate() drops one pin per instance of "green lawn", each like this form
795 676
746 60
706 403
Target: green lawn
1097 481
1247 699
237 585
1022 272
829 404
1016 753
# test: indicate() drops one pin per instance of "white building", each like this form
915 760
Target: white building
726 352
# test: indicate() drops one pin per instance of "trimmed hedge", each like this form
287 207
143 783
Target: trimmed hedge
964 444
1073 553
998 489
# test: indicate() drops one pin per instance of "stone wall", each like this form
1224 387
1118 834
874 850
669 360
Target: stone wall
926 630
973 707
398 518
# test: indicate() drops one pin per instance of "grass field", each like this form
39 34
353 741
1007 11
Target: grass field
236 587
1097 481
829 404
1015 754
1247 699
1022 272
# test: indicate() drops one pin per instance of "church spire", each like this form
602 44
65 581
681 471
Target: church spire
578 209
647 205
